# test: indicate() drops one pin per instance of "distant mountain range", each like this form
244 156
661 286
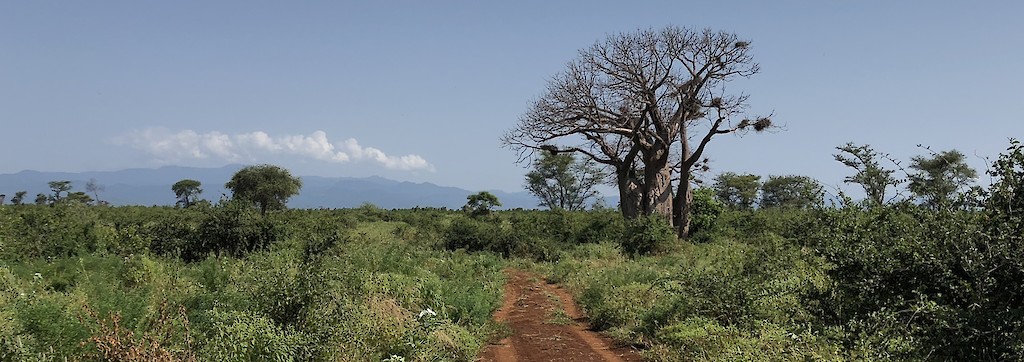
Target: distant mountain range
153 187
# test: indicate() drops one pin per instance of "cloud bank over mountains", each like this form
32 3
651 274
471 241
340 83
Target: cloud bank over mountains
168 147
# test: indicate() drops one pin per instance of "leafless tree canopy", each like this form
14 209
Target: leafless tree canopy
632 101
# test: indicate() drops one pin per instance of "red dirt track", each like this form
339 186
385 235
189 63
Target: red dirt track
529 308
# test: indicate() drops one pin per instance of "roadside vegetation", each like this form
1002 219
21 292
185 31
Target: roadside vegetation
897 281
222 283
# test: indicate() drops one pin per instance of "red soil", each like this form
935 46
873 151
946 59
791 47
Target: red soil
529 308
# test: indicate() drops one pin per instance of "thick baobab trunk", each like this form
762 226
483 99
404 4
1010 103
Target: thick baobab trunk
659 194
684 192
629 194
652 197
657 184
683 204
649 193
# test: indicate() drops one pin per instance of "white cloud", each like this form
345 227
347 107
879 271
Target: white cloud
169 147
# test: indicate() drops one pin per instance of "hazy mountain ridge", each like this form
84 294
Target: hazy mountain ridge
141 186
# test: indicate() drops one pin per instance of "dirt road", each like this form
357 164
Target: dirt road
547 326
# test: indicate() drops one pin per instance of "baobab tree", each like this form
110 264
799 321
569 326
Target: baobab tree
645 105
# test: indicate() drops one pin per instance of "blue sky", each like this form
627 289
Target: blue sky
422 90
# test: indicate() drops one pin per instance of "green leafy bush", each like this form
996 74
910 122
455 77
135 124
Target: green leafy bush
506 239
42 231
244 336
915 283
647 235
705 211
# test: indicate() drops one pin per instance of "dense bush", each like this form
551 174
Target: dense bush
340 291
647 235
32 231
538 235
503 238
914 283
234 229
719 300
705 211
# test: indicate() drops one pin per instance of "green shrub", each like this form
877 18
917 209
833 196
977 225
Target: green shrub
474 235
647 235
53 324
504 238
230 228
704 213
704 339
122 240
15 343
245 336
42 231
140 270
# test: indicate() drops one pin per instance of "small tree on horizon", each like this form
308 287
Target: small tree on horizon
870 174
19 198
561 181
187 191
736 190
267 186
94 187
481 204
58 188
938 179
78 197
791 191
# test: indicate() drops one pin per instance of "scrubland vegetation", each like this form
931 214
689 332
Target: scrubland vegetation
223 283
896 281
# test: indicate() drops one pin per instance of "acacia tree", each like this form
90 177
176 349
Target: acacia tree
737 191
94 187
481 203
78 197
791 191
58 188
267 186
187 191
561 181
645 105
937 179
19 198
870 174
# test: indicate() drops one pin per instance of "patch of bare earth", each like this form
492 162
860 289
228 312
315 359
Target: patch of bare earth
547 326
